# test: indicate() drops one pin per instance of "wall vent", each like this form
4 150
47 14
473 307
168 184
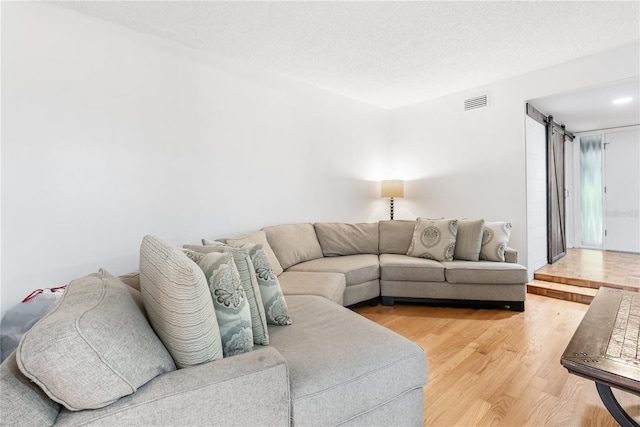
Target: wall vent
476 102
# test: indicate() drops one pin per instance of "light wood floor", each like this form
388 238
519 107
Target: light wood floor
494 367
594 268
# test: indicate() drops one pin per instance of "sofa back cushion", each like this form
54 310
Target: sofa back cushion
178 302
395 236
95 347
338 239
293 243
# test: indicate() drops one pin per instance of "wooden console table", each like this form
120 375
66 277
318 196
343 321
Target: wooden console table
604 348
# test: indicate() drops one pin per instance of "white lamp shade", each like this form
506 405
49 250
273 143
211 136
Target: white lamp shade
392 188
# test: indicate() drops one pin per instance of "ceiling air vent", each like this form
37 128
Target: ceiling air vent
477 102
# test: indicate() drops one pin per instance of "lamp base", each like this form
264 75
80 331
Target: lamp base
391 208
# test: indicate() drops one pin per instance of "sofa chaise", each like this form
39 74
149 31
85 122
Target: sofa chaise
95 359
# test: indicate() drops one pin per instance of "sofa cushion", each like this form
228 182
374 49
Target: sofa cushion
328 285
250 389
495 240
356 268
178 303
403 267
249 284
229 301
395 236
484 272
275 306
434 239
468 240
347 366
94 347
293 243
22 402
257 237
338 239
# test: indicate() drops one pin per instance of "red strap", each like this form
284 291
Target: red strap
39 291
33 294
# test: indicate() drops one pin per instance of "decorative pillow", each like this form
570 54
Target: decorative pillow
249 284
229 302
178 303
434 239
94 347
275 306
337 238
469 240
257 237
494 240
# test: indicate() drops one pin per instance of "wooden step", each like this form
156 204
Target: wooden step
562 291
575 281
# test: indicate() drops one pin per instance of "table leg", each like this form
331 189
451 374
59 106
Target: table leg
614 408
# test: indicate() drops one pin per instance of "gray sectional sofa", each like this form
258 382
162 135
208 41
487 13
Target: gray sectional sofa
352 263
95 359
107 366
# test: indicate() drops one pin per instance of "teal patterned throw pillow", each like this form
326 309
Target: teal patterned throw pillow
275 306
249 283
229 301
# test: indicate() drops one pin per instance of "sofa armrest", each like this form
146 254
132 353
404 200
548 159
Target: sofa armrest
247 389
510 255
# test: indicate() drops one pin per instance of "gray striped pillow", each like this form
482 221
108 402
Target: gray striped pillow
469 240
178 303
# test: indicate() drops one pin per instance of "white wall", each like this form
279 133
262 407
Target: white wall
472 163
536 146
108 135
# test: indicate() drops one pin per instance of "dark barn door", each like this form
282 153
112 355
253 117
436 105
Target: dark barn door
556 239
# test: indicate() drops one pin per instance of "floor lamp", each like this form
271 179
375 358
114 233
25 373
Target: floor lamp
391 189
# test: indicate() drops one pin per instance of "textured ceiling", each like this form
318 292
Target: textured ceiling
388 54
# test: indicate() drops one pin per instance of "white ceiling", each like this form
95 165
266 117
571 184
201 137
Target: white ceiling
593 108
390 53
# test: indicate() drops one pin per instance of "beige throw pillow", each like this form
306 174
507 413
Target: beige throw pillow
469 240
494 240
434 239
94 347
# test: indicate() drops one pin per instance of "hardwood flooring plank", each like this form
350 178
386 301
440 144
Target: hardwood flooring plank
494 367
